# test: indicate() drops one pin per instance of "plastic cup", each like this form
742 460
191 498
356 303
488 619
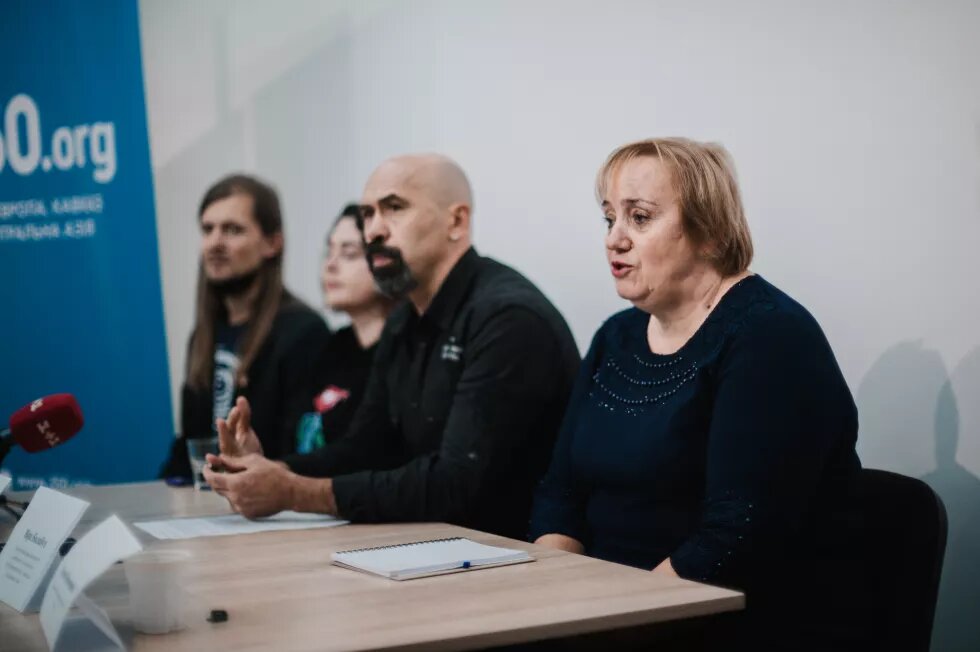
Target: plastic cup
196 451
157 601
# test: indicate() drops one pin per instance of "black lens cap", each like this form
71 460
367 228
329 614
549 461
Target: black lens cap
217 616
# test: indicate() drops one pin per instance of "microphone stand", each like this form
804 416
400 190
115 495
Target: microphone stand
6 443
5 505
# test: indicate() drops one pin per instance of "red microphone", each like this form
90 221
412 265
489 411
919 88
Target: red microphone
45 423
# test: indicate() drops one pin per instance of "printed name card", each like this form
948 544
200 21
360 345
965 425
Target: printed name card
96 552
32 549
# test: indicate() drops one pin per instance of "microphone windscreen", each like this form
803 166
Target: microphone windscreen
46 423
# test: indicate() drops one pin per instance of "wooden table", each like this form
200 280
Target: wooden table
282 593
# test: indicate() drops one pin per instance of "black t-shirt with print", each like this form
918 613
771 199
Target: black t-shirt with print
226 338
341 378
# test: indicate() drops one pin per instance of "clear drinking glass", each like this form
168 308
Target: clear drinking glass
196 450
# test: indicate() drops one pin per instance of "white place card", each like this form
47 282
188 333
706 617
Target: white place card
90 631
103 546
32 549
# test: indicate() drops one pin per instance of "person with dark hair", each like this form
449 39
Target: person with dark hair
345 365
251 337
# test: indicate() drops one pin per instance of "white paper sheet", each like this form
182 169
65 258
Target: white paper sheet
216 526
4 482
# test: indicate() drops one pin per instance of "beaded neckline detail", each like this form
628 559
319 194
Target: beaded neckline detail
640 389
657 365
634 380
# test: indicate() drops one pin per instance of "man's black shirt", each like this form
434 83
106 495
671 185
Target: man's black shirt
462 408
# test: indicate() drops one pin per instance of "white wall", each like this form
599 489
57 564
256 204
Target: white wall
855 127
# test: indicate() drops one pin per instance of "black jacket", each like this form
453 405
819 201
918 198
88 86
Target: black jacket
280 388
461 410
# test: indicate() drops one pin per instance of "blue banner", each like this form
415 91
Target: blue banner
80 299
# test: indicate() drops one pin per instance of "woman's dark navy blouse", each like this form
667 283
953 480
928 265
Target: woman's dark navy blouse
730 456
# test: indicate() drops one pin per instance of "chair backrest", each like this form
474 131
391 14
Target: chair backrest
906 527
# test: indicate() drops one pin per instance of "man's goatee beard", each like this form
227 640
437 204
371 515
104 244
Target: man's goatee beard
235 286
394 280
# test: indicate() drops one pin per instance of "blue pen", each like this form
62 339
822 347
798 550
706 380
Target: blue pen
466 564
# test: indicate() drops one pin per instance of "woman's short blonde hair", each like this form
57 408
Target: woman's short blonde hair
710 202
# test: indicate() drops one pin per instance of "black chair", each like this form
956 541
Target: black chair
905 525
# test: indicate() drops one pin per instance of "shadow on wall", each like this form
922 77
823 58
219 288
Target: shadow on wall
906 396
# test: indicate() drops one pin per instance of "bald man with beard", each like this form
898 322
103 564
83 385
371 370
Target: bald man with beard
468 388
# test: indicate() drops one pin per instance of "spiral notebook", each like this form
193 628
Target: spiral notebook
424 558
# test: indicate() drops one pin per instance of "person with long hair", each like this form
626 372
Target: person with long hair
251 337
